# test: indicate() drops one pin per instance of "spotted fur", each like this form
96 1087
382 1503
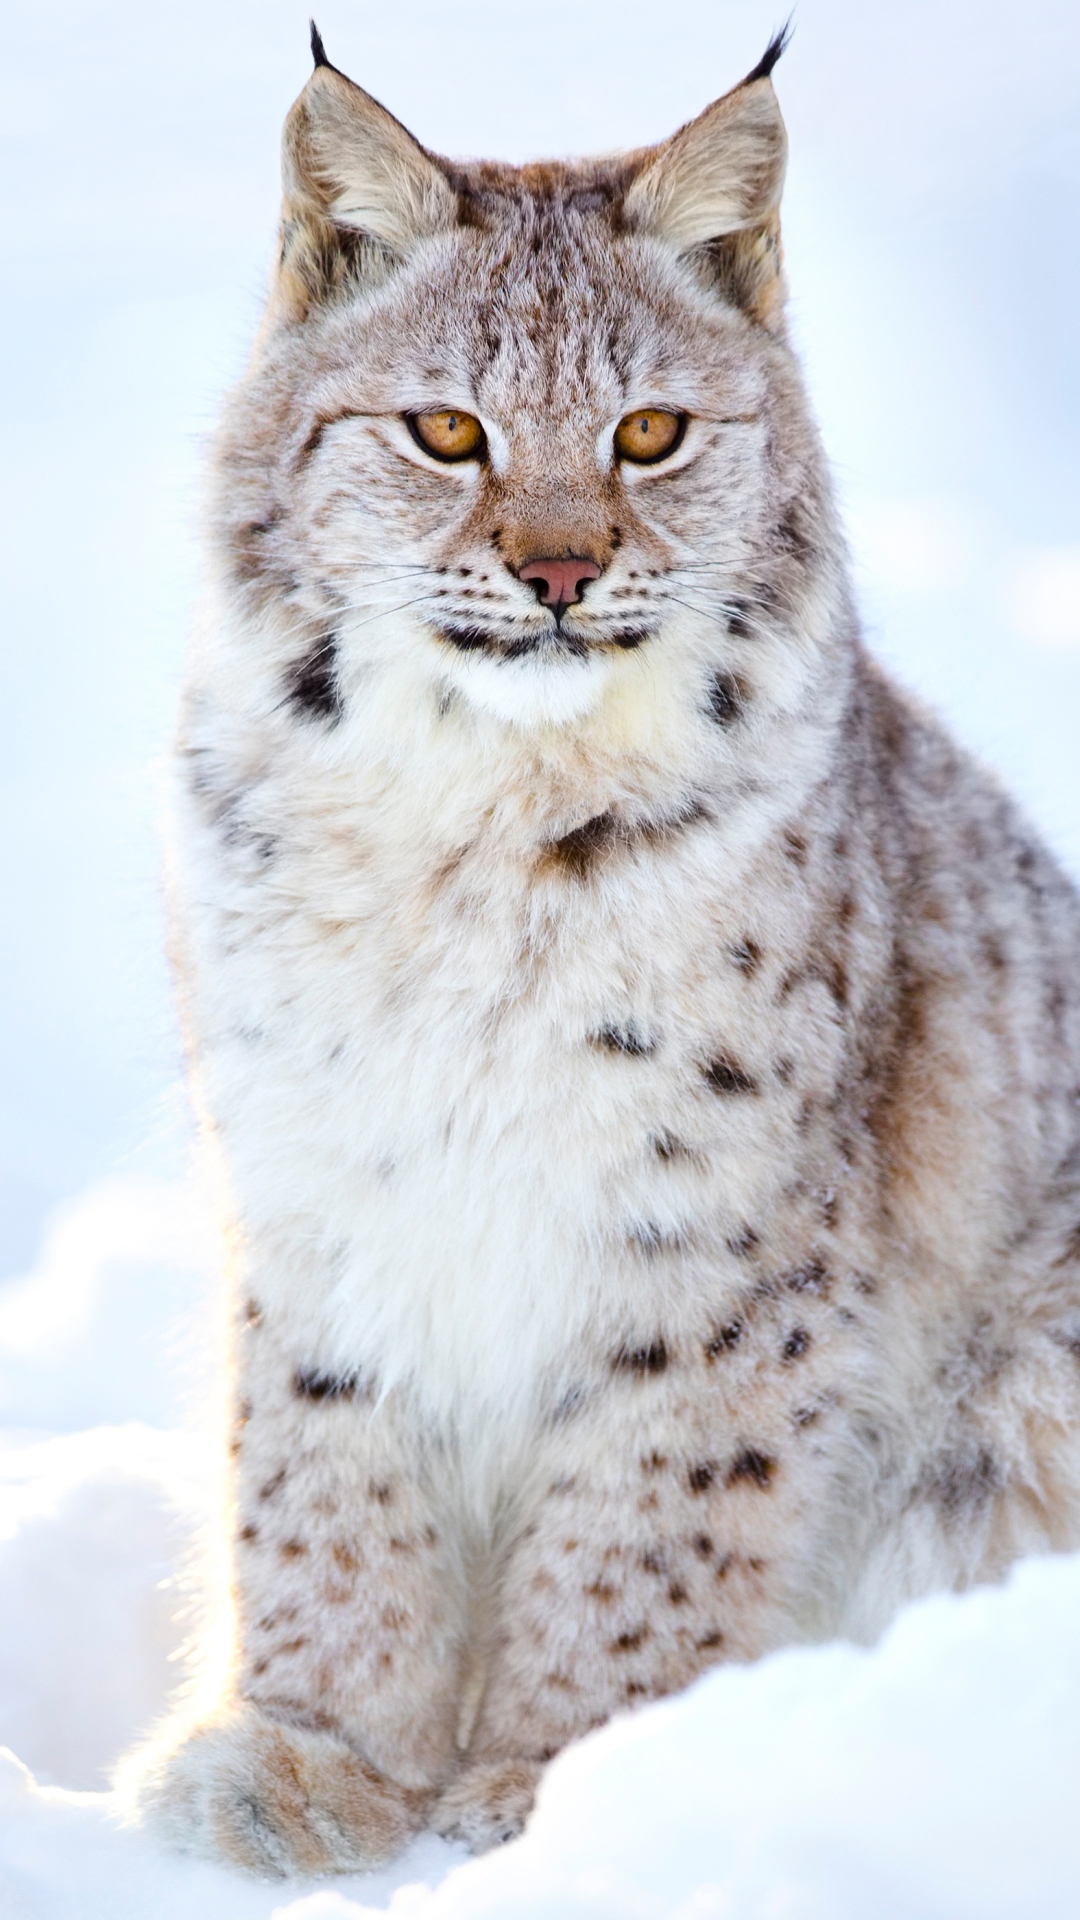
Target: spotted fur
643 1052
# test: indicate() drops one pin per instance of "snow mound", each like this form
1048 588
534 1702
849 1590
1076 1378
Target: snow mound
95 1530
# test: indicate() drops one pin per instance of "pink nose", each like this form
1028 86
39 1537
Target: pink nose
562 580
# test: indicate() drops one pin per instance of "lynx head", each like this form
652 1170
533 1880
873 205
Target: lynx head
513 429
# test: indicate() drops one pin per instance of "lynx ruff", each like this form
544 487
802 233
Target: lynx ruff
643 1050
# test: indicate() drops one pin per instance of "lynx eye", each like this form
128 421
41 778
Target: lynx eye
648 434
447 434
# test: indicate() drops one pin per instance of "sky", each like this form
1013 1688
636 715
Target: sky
931 229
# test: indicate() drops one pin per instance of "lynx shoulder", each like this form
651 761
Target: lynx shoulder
643 1052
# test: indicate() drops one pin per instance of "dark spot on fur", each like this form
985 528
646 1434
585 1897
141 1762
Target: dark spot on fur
724 1565
792 535
652 1239
292 1550
1071 1248
312 685
993 952
811 1277
630 1642
576 853
602 1592
832 972
641 1360
746 955
795 846
963 1483
702 1476
653 1462
628 1039
252 557
309 1384
724 699
654 1560
827 968
677 1593
568 1404
726 1076
561 1682
381 1492
703 1546
709 1642
725 1339
743 1243
248 1533
751 1465
667 1147
253 1313
796 1344
274 1484
740 619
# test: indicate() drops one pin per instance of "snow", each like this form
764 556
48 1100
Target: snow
930 1778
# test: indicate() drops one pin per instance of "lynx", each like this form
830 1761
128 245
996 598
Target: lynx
643 1052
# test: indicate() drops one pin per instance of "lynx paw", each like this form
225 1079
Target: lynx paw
487 1804
277 1800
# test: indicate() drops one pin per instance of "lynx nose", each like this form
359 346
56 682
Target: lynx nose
558 583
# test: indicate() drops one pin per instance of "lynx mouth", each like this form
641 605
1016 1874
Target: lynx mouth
546 644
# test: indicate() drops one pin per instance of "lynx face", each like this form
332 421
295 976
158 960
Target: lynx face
614 433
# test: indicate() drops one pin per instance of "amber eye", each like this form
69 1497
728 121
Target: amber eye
648 434
447 434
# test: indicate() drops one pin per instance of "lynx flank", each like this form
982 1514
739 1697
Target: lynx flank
643 1051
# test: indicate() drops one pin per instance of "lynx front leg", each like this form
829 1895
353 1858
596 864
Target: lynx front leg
681 1521
340 1721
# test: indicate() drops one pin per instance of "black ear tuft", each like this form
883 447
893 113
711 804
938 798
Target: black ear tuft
777 45
318 51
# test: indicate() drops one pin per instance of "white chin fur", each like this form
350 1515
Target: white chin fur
532 692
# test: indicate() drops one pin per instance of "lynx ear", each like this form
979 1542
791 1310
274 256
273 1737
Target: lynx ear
716 186
358 189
